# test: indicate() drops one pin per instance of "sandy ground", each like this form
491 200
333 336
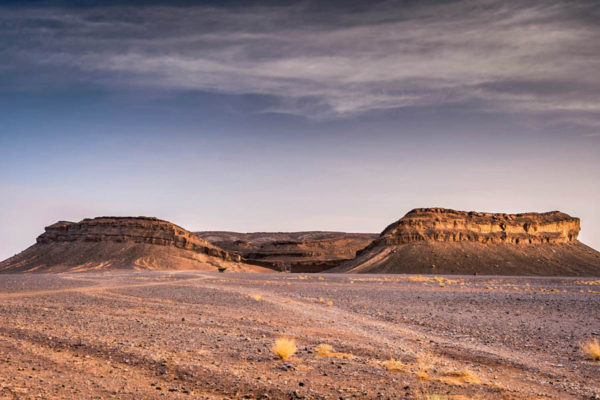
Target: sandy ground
204 335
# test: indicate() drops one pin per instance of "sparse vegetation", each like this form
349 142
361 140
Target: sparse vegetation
396 366
284 348
463 376
256 297
222 269
591 348
324 350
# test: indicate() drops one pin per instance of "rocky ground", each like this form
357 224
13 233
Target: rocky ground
154 335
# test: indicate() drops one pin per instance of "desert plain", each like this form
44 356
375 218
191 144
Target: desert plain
210 335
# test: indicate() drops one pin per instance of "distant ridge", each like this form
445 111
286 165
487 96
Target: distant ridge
143 243
439 240
308 251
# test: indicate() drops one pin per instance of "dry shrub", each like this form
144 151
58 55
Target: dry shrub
329 303
463 376
396 366
442 397
592 349
321 278
256 297
431 279
324 350
284 348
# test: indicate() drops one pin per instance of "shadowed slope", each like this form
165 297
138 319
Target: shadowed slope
311 251
120 243
436 240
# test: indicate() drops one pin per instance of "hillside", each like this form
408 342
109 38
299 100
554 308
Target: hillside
312 251
437 240
104 243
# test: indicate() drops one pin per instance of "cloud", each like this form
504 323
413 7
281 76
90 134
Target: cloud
535 58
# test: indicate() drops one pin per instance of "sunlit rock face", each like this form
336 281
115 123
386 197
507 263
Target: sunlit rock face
131 229
106 243
442 241
444 225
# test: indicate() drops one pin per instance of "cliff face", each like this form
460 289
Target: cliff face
311 251
131 229
438 240
121 243
443 225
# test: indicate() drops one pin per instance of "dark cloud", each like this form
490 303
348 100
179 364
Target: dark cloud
321 59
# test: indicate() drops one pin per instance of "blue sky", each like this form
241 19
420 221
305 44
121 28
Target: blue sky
294 116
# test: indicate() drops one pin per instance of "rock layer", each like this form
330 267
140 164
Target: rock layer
120 242
437 240
445 225
311 251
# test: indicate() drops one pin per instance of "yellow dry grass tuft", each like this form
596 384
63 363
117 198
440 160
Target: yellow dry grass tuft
462 376
396 366
592 349
431 279
284 348
588 282
442 397
256 297
329 303
324 350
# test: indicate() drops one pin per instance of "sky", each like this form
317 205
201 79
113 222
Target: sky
287 116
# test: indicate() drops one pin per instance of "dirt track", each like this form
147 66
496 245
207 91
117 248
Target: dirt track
205 335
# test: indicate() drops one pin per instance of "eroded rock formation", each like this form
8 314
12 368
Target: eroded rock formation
311 251
438 240
445 225
147 230
121 242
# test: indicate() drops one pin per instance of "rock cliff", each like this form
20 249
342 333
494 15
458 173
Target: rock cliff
311 251
445 225
120 242
438 240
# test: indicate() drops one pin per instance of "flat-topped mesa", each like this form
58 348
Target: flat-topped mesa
444 225
442 241
148 230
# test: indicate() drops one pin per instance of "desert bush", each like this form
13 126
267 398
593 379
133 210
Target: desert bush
256 297
284 348
324 350
463 376
396 366
592 349
222 269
